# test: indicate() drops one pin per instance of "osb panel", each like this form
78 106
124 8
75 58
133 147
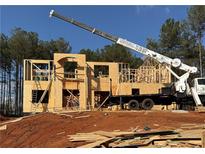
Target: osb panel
148 88
35 85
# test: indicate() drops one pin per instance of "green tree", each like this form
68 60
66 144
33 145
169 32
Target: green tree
22 45
5 80
91 55
60 45
118 53
136 62
188 46
42 51
196 18
170 37
153 44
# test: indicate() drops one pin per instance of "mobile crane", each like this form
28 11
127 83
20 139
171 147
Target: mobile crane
183 94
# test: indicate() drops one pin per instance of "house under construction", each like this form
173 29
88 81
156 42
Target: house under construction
69 82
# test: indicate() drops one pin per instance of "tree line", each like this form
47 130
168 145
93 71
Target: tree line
182 39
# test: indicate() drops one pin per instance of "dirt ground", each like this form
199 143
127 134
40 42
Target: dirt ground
3 118
52 130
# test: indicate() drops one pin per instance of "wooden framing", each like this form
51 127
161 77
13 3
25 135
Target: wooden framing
119 79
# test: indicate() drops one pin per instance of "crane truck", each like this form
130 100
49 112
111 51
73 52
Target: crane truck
185 95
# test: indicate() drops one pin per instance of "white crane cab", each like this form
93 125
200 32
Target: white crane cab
199 85
197 91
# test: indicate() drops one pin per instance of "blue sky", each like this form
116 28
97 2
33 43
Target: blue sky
134 23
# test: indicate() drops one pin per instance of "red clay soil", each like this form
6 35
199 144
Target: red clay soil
51 130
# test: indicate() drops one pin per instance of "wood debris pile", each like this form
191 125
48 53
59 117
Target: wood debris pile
189 135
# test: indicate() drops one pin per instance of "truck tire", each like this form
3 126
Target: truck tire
147 104
133 105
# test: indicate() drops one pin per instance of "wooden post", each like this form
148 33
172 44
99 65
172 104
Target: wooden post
203 139
25 70
49 71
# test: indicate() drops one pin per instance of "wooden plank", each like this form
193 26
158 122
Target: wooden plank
85 116
104 133
12 121
197 143
86 137
161 143
203 139
123 145
166 132
193 127
79 139
163 132
85 140
196 133
4 127
81 134
64 114
60 133
97 144
135 129
126 143
122 133
45 91
107 134
188 124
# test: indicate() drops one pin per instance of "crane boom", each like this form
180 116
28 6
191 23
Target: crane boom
159 57
84 26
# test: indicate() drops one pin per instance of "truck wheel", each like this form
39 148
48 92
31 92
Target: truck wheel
147 104
133 105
